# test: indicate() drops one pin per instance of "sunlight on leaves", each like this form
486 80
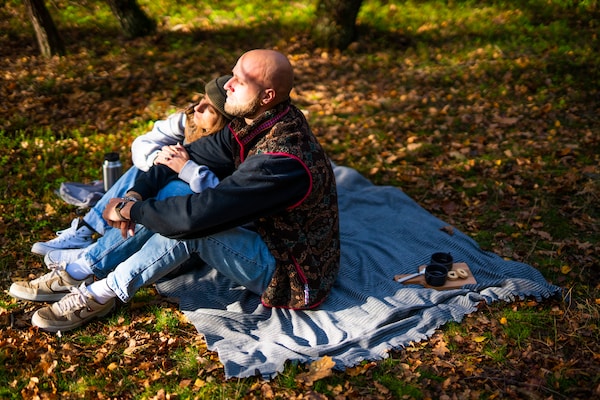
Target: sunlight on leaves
317 370
565 269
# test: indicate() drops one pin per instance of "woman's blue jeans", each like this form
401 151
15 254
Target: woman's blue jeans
142 259
94 216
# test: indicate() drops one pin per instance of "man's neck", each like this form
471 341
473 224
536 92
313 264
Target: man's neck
262 110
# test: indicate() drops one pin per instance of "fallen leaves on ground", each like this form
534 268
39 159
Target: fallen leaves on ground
502 145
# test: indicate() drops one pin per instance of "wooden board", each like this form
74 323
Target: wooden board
455 284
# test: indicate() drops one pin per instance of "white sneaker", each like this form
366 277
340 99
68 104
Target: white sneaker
59 256
70 238
72 311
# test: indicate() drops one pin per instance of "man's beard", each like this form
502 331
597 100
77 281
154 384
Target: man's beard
246 110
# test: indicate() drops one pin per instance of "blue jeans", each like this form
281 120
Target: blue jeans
94 216
140 260
111 248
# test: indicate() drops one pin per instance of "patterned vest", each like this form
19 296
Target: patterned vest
304 239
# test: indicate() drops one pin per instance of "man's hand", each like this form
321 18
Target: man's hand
119 219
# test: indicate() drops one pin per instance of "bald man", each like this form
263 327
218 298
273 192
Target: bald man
270 77
271 224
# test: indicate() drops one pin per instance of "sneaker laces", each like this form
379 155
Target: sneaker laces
73 226
82 232
75 300
54 268
79 233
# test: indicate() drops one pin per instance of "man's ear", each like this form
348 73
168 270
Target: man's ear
268 96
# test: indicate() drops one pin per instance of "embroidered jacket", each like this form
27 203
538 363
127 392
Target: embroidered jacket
274 174
304 238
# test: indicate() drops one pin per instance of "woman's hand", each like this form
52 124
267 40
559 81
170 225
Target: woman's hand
173 157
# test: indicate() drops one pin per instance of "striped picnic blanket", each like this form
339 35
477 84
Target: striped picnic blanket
383 233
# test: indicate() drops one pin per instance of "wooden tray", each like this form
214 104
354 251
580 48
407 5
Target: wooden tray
455 284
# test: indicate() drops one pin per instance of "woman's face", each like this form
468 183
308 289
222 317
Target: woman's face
205 114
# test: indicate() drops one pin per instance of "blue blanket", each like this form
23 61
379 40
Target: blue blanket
383 233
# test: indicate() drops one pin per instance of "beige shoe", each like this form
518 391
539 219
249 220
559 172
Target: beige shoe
52 286
72 311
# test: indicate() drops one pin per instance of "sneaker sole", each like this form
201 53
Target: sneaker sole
69 255
42 249
36 321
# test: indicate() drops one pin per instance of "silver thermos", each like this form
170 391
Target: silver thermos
111 169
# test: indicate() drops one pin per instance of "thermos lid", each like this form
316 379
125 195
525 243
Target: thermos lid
111 157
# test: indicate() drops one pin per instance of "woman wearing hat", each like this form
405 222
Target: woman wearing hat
69 264
204 118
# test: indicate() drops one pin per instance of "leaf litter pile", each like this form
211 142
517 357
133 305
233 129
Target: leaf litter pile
502 144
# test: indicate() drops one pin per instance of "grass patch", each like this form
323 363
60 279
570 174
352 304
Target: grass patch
522 324
188 361
165 319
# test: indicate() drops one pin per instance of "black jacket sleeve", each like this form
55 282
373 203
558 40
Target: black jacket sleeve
262 185
213 151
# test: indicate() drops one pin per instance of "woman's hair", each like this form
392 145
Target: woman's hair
222 120
193 132
216 95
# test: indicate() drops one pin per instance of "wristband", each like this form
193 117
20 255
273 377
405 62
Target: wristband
118 209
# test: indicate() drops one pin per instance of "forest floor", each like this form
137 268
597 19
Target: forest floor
489 120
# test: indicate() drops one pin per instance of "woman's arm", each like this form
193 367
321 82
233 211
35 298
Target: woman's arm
145 148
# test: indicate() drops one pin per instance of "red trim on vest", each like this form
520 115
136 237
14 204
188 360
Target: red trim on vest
261 128
310 186
313 306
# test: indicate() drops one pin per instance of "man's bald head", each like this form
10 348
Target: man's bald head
262 79
270 70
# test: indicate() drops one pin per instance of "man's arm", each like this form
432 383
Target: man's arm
212 151
263 185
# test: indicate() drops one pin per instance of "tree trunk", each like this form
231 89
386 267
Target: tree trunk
335 25
46 33
133 19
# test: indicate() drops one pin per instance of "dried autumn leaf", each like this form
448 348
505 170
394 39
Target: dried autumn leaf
440 348
49 210
72 368
381 388
360 369
450 207
317 370
131 348
185 383
506 120
112 366
266 391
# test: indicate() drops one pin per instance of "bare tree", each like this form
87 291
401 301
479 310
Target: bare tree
133 19
335 24
46 33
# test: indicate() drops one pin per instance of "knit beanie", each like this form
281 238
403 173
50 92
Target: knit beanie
217 94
